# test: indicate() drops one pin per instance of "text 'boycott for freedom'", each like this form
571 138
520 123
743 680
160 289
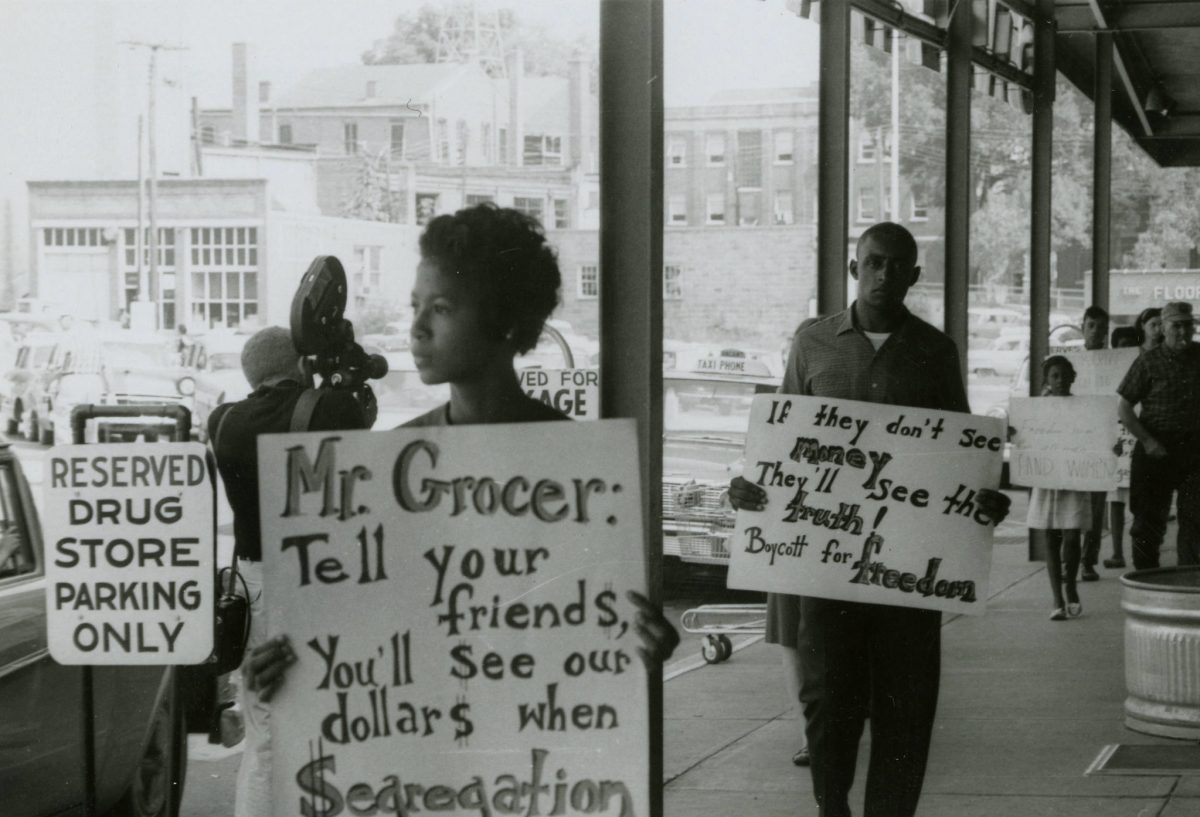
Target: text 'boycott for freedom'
868 503
130 562
456 598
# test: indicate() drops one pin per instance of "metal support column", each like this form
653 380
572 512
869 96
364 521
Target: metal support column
631 309
1042 169
833 126
959 72
1039 241
1102 170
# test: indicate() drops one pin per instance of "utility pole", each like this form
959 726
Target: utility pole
149 289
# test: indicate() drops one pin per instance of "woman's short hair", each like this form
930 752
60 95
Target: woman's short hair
1058 360
503 255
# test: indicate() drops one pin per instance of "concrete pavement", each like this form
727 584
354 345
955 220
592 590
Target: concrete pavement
1026 706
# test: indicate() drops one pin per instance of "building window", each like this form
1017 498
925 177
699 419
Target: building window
350 138
364 274
397 140
715 208
208 135
485 139
478 198
784 213
866 147
543 150
443 141
748 208
866 206
784 147
677 210
714 149
463 140
749 158
285 134
917 211
427 207
166 247
589 282
83 237
502 145
224 276
672 282
676 151
562 218
553 150
528 205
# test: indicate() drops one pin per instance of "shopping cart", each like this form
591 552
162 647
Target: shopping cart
714 623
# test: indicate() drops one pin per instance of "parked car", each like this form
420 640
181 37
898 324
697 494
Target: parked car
137 722
706 412
215 364
988 321
1001 357
121 368
32 359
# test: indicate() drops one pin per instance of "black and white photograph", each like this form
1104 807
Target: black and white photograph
859 340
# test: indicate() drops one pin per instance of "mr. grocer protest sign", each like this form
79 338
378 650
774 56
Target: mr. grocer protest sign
129 569
868 502
456 600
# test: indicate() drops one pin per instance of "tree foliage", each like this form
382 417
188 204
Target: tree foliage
414 39
371 197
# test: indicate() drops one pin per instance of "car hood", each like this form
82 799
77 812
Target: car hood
715 457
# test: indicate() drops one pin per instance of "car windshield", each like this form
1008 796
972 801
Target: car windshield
706 406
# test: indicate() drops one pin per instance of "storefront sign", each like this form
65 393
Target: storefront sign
574 392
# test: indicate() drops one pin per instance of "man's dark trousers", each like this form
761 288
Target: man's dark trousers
1091 539
860 659
1152 482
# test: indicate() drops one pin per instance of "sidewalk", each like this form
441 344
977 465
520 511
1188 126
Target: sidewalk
1026 705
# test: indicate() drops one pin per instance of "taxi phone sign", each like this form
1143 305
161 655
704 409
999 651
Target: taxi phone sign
129 567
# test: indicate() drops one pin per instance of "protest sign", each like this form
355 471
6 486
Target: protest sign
456 601
1064 442
130 565
1099 371
868 502
574 392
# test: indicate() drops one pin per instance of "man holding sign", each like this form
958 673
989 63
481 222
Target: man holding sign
859 659
1166 383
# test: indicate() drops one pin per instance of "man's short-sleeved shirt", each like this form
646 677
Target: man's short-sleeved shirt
916 366
1167 385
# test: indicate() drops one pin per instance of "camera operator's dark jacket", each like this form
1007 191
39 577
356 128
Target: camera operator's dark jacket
268 410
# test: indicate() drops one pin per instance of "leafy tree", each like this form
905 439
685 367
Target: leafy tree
414 39
371 197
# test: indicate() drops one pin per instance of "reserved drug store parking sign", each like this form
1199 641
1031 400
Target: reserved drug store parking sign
129 564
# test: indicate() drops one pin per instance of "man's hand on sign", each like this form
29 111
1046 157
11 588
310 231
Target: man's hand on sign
745 495
993 503
659 636
268 664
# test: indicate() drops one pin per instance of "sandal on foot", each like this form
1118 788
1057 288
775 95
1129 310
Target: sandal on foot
1074 609
1059 614
802 758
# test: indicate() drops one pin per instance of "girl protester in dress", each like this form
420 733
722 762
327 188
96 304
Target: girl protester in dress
486 284
1061 513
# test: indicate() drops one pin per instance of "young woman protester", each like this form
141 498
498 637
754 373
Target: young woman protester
1063 514
486 284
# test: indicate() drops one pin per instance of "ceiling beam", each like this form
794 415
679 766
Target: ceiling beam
1140 16
1119 63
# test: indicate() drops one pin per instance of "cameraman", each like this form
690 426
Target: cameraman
273 368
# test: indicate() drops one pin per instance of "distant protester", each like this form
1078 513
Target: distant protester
1095 337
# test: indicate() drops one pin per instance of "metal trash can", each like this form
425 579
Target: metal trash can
1162 651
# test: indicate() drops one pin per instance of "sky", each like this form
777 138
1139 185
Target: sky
709 44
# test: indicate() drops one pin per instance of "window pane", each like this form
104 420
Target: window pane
232 288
